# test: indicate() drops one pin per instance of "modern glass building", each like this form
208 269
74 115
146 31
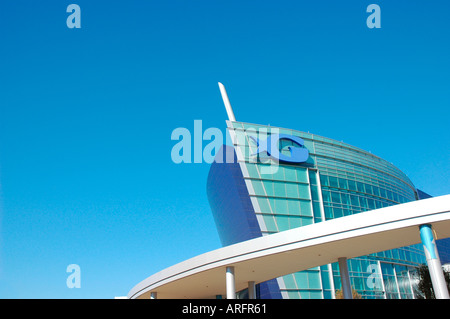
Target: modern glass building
253 193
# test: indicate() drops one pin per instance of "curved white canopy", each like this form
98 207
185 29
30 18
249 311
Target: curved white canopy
272 256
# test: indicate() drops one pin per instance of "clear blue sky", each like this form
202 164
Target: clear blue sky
86 117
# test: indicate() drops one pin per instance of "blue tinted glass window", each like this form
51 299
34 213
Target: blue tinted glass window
264 205
278 173
305 208
312 178
345 198
315 294
314 193
268 185
338 212
291 190
352 185
343 183
327 294
258 187
290 174
354 200
280 206
289 281
293 294
293 206
363 202
302 279
371 203
333 182
324 180
295 221
326 196
279 189
252 170
304 294
316 210
376 191
302 176
360 187
328 212
303 191
325 280
270 223
283 223
335 197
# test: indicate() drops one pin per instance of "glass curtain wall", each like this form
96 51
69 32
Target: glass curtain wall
337 180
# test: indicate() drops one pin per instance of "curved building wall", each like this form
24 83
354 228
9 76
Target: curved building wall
336 180
232 209
230 202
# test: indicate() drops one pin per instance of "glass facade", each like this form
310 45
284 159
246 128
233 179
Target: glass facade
337 180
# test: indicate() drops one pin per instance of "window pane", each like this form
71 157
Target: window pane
290 174
312 177
354 200
295 221
270 223
343 183
302 175
264 205
302 279
303 191
338 212
360 187
352 185
314 280
314 193
291 190
268 185
279 189
345 198
280 206
324 180
293 207
335 197
278 174
258 187
289 282
283 223
326 196
305 208
333 182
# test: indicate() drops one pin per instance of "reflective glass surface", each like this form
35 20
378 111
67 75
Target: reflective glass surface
337 180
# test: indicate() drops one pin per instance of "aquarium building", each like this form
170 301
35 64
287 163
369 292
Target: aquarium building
302 216
273 179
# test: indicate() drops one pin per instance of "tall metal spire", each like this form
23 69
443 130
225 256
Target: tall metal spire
226 101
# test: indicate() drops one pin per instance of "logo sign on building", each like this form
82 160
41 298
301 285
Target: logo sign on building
270 146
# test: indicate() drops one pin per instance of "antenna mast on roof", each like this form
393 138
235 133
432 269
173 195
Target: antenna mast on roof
226 101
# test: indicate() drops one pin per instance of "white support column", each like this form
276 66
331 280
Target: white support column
345 278
433 262
410 280
331 278
251 290
396 283
383 287
230 283
153 295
